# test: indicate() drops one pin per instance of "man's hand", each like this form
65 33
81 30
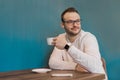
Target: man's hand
79 68
59 42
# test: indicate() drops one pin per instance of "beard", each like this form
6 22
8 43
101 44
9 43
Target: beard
71 33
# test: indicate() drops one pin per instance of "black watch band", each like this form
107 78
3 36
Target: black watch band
66 47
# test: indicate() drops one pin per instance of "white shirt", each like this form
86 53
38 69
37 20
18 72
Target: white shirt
84 51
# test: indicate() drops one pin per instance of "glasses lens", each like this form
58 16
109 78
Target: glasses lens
71 22
77 21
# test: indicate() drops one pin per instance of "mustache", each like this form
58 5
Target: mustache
75 27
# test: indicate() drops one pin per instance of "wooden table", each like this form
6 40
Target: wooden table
29 75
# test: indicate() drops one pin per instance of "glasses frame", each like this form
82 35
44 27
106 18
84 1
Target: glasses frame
71 22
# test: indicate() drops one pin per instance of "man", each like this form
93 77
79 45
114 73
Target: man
75 49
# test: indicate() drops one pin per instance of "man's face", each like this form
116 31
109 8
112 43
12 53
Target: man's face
71 23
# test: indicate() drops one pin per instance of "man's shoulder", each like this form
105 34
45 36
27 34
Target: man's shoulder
87 34
62 34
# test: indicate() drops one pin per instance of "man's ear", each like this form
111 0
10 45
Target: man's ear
62 24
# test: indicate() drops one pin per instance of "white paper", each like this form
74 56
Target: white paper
62 74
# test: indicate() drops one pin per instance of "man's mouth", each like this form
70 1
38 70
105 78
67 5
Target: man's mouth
75 28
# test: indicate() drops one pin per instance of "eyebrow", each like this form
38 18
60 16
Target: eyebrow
72 20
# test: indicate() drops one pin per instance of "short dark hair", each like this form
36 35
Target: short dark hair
70 9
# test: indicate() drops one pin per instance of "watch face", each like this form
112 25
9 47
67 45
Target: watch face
66 47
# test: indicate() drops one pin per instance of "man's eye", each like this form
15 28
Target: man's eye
78 21
69 21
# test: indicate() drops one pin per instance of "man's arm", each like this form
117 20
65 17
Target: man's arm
90 58
57 61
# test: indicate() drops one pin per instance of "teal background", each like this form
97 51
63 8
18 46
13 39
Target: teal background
25 25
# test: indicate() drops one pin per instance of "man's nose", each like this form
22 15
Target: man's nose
75 24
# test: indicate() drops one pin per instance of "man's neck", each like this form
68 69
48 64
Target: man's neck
72 38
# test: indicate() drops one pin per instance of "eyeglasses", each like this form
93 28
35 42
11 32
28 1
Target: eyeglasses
71 22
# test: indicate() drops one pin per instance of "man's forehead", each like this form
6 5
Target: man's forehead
71 15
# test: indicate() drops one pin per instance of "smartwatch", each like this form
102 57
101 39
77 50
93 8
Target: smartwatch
66 47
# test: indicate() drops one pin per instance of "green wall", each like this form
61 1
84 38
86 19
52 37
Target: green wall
25 25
